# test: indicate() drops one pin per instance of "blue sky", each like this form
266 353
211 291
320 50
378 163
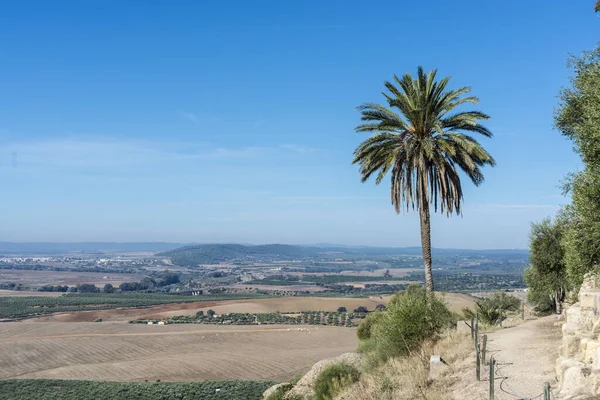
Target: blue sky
232 121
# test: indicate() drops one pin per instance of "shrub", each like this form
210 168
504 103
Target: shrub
280 392
334 379
361 309
342 309
492 309
364 329
411 317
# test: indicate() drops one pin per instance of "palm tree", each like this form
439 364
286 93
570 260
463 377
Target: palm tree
597 6
423 145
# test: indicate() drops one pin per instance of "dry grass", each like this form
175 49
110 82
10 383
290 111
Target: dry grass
407 377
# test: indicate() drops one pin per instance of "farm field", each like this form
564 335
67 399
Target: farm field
26 293
118 351
456 302
288 288
32 277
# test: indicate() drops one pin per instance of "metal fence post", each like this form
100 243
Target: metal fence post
492 376
547 391
483 349
473 328
478 363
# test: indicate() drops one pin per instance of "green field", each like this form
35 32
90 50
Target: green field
46 389
19 307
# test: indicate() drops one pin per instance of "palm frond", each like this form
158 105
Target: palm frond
422 141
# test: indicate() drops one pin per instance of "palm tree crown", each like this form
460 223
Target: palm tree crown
423 144
422 141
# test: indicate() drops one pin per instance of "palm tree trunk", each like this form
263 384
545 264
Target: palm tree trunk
426 244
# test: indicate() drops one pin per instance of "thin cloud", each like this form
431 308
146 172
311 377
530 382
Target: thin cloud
190 116
112 153
516 206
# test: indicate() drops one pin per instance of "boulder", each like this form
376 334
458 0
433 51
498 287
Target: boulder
274 388
437 367
305 386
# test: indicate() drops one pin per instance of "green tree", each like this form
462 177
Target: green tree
342 309
547 276
411 317
108 288
211 313
419 137
578 118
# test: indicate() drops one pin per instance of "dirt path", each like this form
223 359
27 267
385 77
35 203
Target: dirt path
525 355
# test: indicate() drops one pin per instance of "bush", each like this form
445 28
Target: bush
411 318
342 309
280 392
364 329
492 309
361 309
334 379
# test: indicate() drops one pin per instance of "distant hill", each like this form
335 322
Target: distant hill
85 247
215 253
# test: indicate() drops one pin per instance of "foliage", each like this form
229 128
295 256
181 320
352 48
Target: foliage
546 277
342 309
364 329
280 392
361 309
492 309
108 288
211 313
303 318
411 318
46 389
578 118
334 379
420 138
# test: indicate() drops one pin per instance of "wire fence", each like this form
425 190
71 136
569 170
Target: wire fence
495 368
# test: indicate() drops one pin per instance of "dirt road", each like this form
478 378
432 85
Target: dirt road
525 356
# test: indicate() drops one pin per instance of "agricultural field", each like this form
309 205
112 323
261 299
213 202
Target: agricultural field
348 319
42 389
28 293
39 278
117 307
27 306
118 351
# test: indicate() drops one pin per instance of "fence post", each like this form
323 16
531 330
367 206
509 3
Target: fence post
477 326
492 376
483 349
473 328
523 311
547 391
478 363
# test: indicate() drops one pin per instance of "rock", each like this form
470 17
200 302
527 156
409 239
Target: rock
274 388
578 370
576 384
437 367
305 386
